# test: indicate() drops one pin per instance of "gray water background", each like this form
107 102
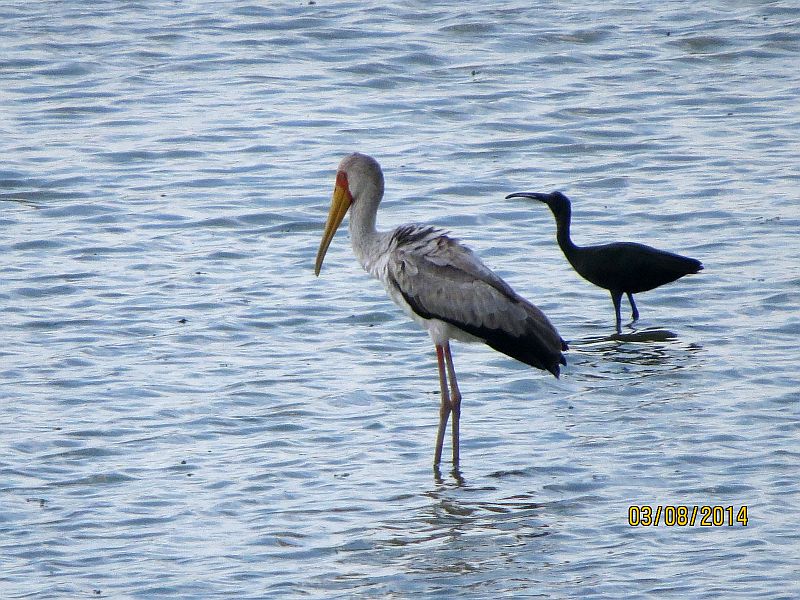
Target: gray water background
187 412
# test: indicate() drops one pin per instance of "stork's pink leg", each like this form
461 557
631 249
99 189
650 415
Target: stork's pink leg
445 407
455 401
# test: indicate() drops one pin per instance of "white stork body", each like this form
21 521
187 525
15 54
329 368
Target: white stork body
441 284
395 251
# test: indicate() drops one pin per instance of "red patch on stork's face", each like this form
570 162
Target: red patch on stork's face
341 181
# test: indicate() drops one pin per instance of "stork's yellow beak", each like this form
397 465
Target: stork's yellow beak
340 204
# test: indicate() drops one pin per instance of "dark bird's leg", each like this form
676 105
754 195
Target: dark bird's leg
616 297
634 310
455 401
445 407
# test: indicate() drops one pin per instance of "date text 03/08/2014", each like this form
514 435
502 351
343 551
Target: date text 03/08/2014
687 516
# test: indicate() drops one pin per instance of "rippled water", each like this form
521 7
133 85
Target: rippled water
187 412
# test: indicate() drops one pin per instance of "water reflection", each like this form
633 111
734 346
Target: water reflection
650 334
462 537
648 350
455 473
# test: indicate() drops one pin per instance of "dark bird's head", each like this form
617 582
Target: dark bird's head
559 204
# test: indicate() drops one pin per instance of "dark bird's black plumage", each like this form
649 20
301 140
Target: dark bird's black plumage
620 267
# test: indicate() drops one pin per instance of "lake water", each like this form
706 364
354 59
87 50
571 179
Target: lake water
187 412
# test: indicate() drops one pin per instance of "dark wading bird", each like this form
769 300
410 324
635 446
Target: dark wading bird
441 284
620 267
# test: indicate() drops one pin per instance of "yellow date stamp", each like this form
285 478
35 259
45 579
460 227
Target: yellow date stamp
681 515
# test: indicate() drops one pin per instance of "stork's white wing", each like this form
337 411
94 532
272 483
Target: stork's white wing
442 279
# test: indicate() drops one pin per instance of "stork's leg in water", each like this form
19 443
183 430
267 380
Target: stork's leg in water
445 408
455 401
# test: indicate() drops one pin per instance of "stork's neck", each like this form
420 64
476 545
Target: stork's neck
364 237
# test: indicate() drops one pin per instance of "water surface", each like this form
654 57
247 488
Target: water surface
187 412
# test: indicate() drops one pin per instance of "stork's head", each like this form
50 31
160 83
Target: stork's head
359 182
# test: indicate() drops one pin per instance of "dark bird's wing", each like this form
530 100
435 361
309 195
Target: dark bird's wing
632 267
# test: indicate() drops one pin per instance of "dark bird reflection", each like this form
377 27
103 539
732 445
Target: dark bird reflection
641 336
649 351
